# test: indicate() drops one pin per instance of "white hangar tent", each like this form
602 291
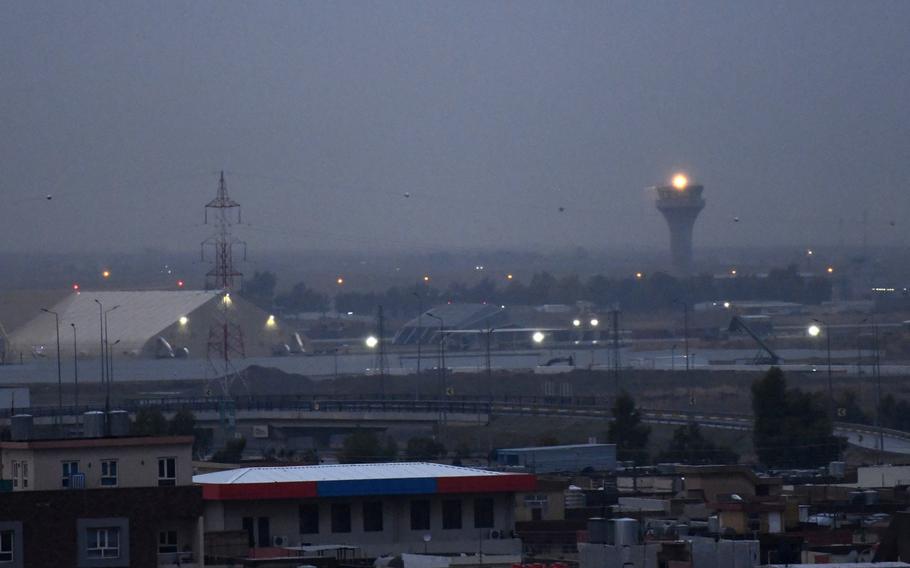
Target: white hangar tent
146 324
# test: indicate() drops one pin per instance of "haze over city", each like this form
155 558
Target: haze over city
414 127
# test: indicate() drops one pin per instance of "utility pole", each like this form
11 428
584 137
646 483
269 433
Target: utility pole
225 340
75 370
616 361
59 370
381 352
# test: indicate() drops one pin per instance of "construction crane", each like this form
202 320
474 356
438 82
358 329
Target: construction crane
737 324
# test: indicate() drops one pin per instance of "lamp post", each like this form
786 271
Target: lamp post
442 350
59 367
110 366
419 337
75 369
101 331
878 391
814 331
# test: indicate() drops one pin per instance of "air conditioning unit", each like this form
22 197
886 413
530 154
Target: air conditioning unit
279 541
495 533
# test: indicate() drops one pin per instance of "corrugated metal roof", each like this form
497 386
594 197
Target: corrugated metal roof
140 316
343 472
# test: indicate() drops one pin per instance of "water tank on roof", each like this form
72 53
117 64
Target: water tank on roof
870 497
575 497
20 427
837 469
714 524
598 532
93 424
625 532
120 423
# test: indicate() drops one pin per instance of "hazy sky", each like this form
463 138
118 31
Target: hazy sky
491 115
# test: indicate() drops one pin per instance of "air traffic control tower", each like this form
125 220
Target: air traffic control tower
680 202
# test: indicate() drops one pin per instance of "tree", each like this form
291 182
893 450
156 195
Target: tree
232 451
150 422
424 449
627 430
302 299
260 289
363 446
690 446
852 411
183 423
792 428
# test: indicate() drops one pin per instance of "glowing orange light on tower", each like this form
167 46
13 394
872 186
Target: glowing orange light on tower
426 278
680 182
830 270
509 276
180 283
75 287
105 274
340 280
639 275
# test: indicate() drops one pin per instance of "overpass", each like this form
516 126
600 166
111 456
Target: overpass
335 411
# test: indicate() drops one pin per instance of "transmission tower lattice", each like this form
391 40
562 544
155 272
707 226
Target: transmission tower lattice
225 340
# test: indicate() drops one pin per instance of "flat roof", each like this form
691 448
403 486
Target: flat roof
551 448
405 478
341 472
109 442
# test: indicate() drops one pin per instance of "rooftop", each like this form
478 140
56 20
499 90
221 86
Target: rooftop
109 442
342 472
557 448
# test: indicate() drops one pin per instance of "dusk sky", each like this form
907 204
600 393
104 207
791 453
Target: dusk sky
490 115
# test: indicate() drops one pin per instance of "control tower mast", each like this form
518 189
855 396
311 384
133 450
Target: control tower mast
680 202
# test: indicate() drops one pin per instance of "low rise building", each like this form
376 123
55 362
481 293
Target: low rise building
386 508
573 458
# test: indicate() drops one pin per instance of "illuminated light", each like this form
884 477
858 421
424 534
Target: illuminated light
538 337
830 270
105 274
227 300
184 320
814 330
371 342
732 272
426 278
340 280
180 283
727 305
509 276
639 275
270 322
680 182
576 322
809 252
75 287
594 322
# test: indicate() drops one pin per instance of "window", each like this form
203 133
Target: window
24 478
420 515
248 527
483 513
309 518
341 518
167 471
372 516
6 546
263 532
70 468
109 473
167 542
103 542
15 474
451 514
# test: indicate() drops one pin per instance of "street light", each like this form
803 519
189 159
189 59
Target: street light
59 370
594 322
538 337
442 349
371 342
814 330
75 369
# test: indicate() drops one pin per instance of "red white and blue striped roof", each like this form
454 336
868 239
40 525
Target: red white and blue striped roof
417 478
